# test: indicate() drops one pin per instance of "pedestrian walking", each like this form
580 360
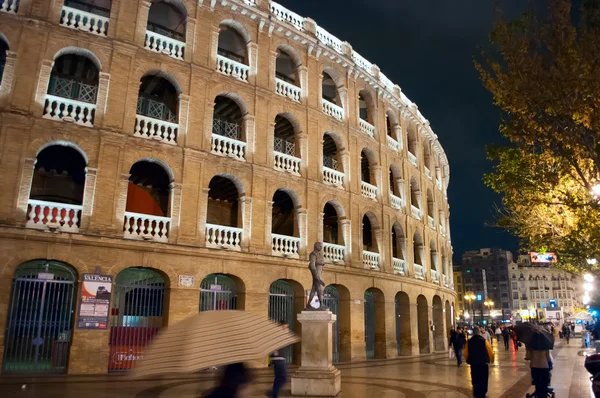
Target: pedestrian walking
486 334
506 337
567 334
540 362
279 368
458 341
498 334
234 382
514 339
478 354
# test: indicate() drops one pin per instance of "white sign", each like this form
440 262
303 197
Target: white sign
45 276
216 287
186 281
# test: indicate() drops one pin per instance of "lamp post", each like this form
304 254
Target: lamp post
489 304
470 296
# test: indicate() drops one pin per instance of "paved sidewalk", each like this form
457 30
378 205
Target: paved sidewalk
433 376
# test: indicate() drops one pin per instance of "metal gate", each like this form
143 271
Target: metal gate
397 312
331 298
40 318
217 292
281 309
370 324
136 315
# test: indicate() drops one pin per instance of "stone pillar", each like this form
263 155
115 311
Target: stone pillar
7 79
391 347
246 211
444 335
209 114
273 70
214 46
24 191
320 227
55 11
114 14
346 229
269 227
102 99
142 22
302 226
398 135
317 376
121 202
414 329
271 145
378 234
343 93
42 87
190 35
175 204
376 170
249 130
184 110
89 191
430 333
302 141
252 62
202 218
303 74
346 167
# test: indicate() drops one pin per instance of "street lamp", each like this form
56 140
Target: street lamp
489 304
470 296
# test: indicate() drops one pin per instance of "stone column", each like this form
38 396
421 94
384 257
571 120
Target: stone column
209 113
317 376
444 328
320 227
175 213
24 191
190 35
376 170
249 130
346 165
252 62
184 111
302 231
414 329
391 347
273 70
142 22
7 78
302 140
430 333
89 191
114 14
246 211
346 229
203 215
303 74
214 46
269 226
121 199
398 134
42 87
102 99
434 264
343 93
378 235
271 145
55 11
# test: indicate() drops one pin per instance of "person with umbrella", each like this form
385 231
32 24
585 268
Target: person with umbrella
539 342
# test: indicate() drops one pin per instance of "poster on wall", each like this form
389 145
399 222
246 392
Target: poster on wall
95 301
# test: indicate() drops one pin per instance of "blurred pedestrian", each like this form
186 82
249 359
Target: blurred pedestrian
486 334
506 337
514 339
540 362
280 370
498 333
234 382
478 354
458 341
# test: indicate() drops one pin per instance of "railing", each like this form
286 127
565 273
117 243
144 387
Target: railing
222 237
146 227
331 109
287 163
367 128
285 15
370 260
11 6
431 222
399 266
428 173
419 271
224 146
434 276
415 211
68 110
445 279
334 253
395 202
288 90
160 130
165 45
329 40
333 177
438 183
361 62
286 246
392 143
412 159
83 20
233 68
387 83
53 216
368 190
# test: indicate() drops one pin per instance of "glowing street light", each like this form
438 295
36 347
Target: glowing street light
588 287
591 261
596 191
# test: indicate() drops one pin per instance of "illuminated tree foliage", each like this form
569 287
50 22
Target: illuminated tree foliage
543 71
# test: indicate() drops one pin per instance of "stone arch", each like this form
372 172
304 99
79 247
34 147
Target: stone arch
370 214
290 316
398 241
79 51
438 323
10 267
159 162
415 193
393 118
375 333
240 290
235 97
168 76
239 28
167 272
338 139
335 75
423 324
403 324
236 181
296 199
291 51
294 121
370 105
66 144
339 208
178 4
395 180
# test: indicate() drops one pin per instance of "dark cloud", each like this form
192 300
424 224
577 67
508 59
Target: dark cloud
427 47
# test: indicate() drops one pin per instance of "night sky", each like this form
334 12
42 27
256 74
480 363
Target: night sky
427 48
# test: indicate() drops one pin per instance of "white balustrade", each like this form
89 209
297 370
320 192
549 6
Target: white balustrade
329 40
283 14
286 246
412 159
51 216
395 202
431 222
434 276
445 279
438 183
333 177
233 68
370 260
419 271
428 173
415 211
288 90
146 227
287 163
399 266
392 143
331 109
165 45
10 6
334 253
222 237
361 62
367 128
387 83
225 146
84 21
368 190
156 129
68 110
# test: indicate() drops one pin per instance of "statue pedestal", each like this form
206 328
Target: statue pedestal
317 376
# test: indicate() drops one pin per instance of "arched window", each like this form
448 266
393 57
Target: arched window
232 53
333 238
398 248
72 90
418 256
223 214
284 227
331 101
287 79
415 199
366 113
412 145
287 152
332 169
165 31
427 158
396 200
157 110
368 187
228 135
147 210
430 210
434 263
369 240
90 16
3 53
392 128
56 197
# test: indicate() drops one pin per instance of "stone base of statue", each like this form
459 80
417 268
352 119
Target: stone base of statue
317 377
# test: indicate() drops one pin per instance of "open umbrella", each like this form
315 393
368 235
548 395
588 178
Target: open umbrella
213 338
534 337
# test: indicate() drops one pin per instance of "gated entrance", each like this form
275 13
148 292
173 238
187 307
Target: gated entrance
136 315
217 292
281 309
331 298
370 324
40 318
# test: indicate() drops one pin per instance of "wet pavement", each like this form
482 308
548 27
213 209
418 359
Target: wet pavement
432 376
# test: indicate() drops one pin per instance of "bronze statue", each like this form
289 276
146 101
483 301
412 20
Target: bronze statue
316 263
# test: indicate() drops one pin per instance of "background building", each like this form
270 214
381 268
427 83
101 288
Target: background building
460 293
193 153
